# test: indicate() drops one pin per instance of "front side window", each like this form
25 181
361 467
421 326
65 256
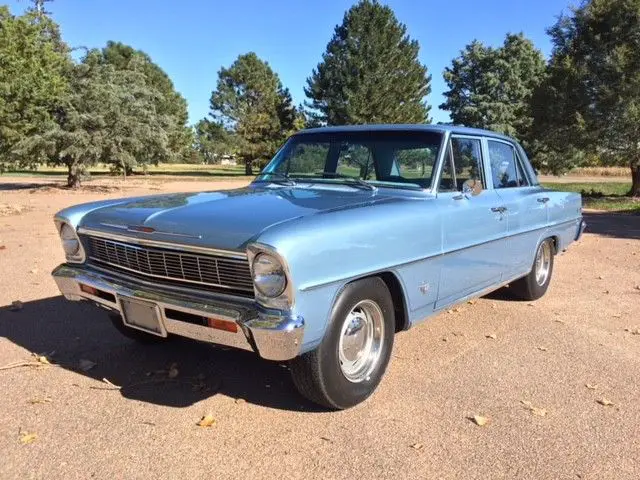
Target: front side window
397 159
505 168
463 165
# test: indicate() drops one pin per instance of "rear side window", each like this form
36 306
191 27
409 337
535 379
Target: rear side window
463 164
505 167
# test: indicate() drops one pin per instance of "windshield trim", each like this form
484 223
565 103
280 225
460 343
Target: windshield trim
269 169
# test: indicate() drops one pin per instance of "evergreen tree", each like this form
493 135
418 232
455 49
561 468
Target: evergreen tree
34 66
370 72
250 101
492 87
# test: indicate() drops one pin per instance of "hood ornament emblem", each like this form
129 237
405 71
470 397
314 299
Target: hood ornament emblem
149 230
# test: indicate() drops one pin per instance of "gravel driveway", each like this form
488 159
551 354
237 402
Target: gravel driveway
558 379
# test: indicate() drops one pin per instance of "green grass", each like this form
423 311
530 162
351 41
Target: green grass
166 169
609 196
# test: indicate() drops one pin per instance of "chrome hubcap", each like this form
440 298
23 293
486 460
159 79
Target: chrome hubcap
543 263
361 340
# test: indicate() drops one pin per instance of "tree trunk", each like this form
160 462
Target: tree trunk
73 176
247 167
635 180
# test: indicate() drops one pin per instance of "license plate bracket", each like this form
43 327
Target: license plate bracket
142 315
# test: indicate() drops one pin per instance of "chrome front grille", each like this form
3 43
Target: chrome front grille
211 270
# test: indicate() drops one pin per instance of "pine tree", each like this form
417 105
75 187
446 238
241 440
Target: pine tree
370 72
250 101
492 87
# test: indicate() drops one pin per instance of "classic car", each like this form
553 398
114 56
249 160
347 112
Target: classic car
348 236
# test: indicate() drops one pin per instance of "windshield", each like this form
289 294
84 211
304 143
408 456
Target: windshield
398 159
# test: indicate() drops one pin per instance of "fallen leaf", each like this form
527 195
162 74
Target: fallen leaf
26 438
417 446
591 386
540 412
111 384
444 339
600 277
86 365
16 305
42 359
557 320
35 401
326 439
542 349
173 371
531 305
617 315
605 402
206 421
480 420
492 336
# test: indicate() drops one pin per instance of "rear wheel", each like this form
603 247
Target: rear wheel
349 363
133 333
535 284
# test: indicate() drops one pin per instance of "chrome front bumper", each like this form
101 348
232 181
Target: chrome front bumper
270 334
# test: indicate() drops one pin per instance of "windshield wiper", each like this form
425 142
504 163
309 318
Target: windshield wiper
358 181
285 179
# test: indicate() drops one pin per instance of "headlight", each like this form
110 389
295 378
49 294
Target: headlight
70 242
268 275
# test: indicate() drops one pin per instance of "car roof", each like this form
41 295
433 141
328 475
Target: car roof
406 127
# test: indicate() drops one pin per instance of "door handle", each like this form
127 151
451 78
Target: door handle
499 209
543 199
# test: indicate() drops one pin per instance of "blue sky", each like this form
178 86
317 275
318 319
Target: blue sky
191 40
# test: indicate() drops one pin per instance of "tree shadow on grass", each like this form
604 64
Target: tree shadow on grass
79 330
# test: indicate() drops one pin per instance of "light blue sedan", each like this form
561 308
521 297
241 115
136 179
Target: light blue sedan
348 236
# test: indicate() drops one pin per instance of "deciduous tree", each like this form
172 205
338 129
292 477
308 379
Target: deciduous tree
591 99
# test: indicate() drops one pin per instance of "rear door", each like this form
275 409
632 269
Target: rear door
473 223
526 204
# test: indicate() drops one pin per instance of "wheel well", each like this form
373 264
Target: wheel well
397 295
554 241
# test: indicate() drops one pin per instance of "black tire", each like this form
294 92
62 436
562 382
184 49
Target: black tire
528 288
139 336
318 374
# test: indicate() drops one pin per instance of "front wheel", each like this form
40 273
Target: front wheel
535 284
349 363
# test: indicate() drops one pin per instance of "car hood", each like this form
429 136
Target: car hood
225 219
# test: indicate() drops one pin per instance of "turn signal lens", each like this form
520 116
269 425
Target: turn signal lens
222 325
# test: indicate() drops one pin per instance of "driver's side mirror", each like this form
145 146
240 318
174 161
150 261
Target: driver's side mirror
472 188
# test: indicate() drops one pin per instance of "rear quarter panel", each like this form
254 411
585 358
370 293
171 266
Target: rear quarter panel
565 215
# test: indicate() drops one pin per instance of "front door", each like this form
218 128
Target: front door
474 224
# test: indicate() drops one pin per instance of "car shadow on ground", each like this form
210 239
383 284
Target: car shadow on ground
70 332
623 225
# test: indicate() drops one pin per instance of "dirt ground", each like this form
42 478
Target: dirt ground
537 371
